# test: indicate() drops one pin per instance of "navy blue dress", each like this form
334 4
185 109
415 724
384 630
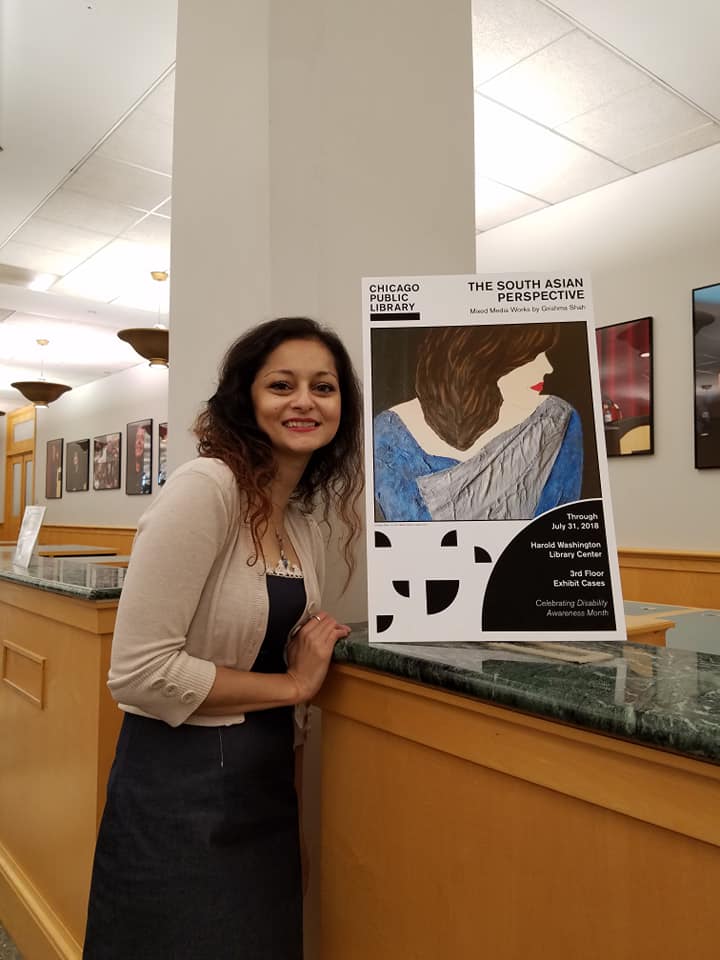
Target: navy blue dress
198 854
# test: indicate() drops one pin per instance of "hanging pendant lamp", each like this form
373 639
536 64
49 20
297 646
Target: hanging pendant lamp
152 343
41 392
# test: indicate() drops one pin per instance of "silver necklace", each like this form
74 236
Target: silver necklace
284 567
281 546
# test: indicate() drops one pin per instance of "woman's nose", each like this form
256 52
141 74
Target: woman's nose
303 398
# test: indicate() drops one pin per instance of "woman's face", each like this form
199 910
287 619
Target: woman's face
139 442
296 397
523 384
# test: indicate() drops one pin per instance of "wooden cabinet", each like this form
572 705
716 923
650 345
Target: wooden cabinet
59 728
453 828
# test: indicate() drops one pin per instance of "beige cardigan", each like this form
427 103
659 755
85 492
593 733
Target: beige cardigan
190 601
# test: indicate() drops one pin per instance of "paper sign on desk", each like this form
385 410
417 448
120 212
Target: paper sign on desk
28 536
487 485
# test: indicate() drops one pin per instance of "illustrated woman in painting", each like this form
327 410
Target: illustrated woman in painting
479 441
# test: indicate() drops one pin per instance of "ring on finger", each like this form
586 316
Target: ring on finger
316 617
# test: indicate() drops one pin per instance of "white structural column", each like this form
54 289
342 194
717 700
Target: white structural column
316 143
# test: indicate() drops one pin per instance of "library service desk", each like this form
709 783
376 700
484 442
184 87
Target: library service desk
476 801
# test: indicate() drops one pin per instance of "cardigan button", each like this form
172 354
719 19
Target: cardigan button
187 697
170 689
157 683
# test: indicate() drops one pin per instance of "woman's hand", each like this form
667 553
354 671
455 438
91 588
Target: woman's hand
310 651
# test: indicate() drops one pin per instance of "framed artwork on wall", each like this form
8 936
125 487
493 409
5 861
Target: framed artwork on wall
162 453
106 462
138 472
78 466
625 363
706 366
54 469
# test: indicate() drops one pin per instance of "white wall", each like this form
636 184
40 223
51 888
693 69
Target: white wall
344 148
647 240
104 406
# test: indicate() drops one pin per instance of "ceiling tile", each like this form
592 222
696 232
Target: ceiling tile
496 204
633 122
521 154
122 265
161 102
154 230
120 183
79 210
61 237
76 352
37 258
569 77
141 139
165 210
505 31
688 142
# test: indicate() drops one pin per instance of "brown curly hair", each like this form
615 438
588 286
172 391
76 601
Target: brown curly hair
226 428
458 369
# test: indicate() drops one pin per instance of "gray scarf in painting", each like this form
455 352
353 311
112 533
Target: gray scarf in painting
505 479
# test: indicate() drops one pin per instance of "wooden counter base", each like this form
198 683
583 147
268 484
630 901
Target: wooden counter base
452 828
60 731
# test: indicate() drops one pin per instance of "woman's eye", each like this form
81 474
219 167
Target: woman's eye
280 385
325 388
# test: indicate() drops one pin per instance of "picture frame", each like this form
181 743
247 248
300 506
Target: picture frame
162 454
706 375
77 474
107 459
625 365
138 469
54 469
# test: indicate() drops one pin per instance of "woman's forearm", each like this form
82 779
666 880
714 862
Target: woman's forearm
241 691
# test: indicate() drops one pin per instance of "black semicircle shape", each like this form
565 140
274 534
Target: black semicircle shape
439 594
382 539
383 621
482 556
402 587
531 576
450 539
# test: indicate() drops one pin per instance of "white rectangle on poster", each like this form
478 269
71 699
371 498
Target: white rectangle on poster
488 498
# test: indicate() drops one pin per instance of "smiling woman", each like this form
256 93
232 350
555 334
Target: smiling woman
296 396
220 641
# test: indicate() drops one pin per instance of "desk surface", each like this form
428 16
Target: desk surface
666 697
70 577
74 550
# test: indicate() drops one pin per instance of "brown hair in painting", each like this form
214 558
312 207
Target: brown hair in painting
457 373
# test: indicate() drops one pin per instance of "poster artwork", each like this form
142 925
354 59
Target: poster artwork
106 461
488 496
54 469
78 466
138 473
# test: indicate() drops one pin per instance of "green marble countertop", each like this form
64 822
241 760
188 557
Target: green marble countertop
67 576
663 697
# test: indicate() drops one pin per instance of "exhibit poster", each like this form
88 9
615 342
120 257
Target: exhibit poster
487 489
